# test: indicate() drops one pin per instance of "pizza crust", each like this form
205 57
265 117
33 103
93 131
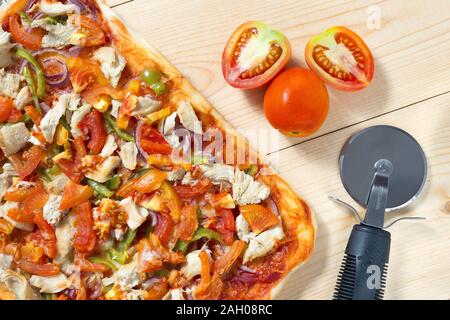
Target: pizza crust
295 213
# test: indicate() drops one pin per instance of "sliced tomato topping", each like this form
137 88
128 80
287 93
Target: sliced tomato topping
95 125
258 217
164 227
45 236
147 183
124 114
188 222
84 239
85 265
225 263
254 54
84 72
187 192
89 32
152 254
18 194
158 290
6 106
5 226
155 147
72 168
27 161
15 116
75 194
224 223
153 142
341 58
20 215
30 39
40 269
31 252
35 115
209 287
36 200
172 200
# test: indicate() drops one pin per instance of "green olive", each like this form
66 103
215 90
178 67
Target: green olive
150 76
159 88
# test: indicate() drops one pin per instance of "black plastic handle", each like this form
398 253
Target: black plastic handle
363 270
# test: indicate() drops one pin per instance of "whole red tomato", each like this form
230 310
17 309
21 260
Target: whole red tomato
296 103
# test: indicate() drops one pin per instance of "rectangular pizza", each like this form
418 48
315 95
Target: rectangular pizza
119 180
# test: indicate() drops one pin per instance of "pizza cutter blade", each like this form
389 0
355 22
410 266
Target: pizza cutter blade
383 168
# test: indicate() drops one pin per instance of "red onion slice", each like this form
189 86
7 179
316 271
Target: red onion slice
154 217
44 107
138 137
29 5
60 77
79 4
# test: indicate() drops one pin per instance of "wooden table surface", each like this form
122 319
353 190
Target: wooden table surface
411 90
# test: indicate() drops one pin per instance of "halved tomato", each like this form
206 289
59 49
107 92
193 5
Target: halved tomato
254 54
341 58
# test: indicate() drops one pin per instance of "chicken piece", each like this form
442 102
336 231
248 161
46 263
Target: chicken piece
128 154
9 84
13 138
168 124
109 147
59 35
193 264
112 63
145 106
261 244
77 117
5 49
128 275
51 119
136 215
24 226
57 185
16 286
188 117
218 173
51 211
23 98
175 294
248 191
54 9
65 232
5 262
176 174
6 178
50 284
103 172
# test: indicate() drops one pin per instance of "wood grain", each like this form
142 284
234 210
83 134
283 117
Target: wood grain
114 3
410 90
411 50
420 258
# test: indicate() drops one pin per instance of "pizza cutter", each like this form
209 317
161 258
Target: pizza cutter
383 168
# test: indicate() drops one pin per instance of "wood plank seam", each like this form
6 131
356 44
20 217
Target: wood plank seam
119 4
359 122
